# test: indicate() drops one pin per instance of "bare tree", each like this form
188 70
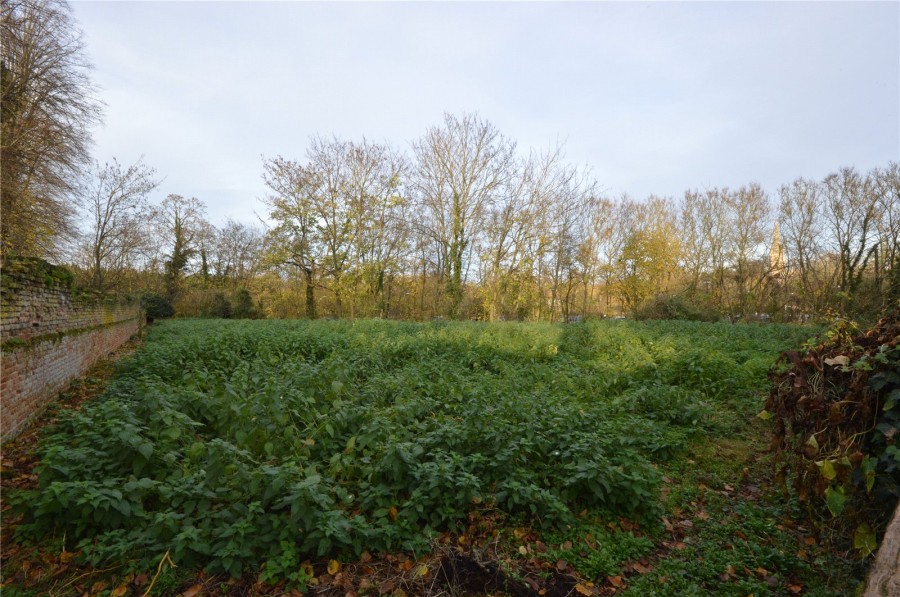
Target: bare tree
801 215
696 242
237 253
887 188
851 211
461 168
568 202
181 221
748 219
292 206
117 210
378 209
47 107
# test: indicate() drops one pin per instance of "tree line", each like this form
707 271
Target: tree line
463 224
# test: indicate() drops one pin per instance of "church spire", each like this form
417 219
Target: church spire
776 253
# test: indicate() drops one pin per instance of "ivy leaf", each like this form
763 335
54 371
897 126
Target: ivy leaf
892 399
827 469
864 539
868 469
835 499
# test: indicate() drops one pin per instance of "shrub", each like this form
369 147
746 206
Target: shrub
243 305
157 307
673 306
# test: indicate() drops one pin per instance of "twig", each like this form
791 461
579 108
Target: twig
165 558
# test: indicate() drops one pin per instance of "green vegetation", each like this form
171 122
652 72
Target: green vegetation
248 446
157 307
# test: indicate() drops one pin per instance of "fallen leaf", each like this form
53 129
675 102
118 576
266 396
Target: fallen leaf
795 589
422 570
566 546
583 590
703 515
99 586
561 565
406 566
668 524
333 567
762 572
523 550
119 591
193 591
386 587
640 568
615 581
392 512
365 557
66 556
842 360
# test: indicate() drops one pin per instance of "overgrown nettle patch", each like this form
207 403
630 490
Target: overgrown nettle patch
249 446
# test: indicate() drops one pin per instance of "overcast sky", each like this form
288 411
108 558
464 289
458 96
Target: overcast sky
653 97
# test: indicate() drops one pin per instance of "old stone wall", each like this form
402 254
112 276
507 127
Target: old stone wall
50 334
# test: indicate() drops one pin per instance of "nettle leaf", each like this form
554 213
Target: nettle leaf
867 466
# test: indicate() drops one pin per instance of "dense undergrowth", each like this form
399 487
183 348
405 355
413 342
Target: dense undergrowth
234 445
836 408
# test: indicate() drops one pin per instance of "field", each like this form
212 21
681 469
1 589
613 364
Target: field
598 457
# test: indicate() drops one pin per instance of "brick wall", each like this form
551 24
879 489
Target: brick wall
50 335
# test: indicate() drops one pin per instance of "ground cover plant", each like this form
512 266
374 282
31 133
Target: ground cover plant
258 448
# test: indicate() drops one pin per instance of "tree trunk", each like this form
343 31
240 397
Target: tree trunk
310 295
884 577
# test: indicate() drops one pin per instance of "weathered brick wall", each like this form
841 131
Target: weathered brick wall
51 334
